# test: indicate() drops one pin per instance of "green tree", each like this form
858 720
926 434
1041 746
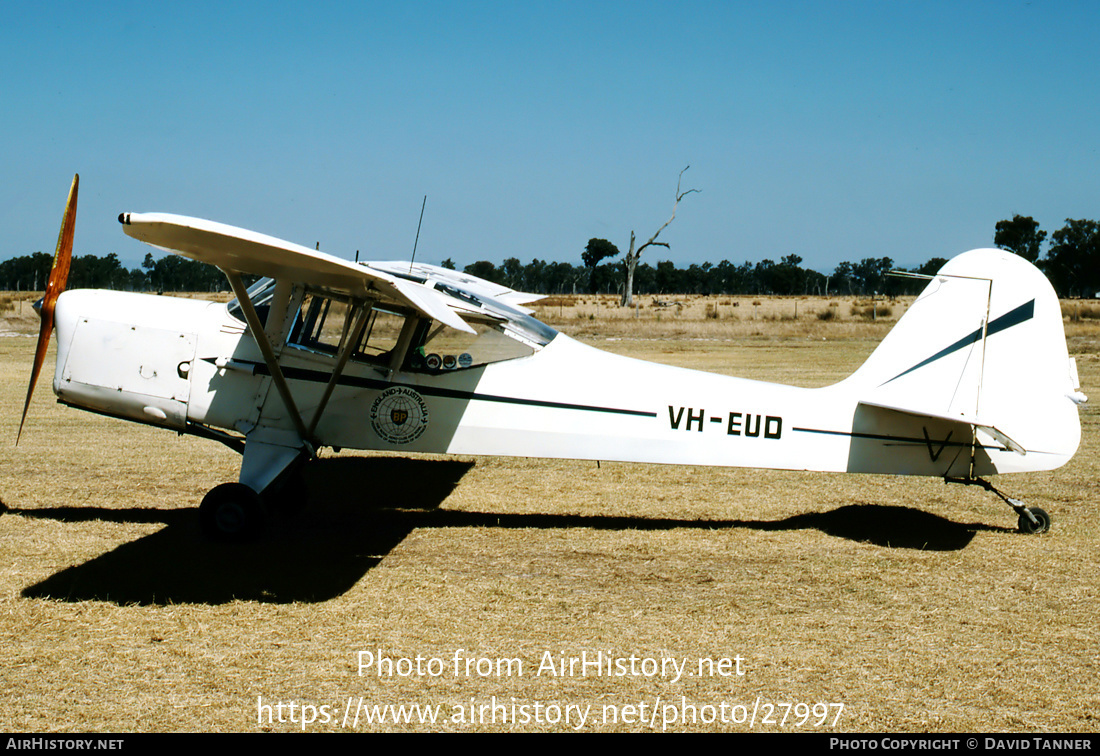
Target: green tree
843 277
645 279
92 272
1020 235
562 278
932 267
484 269
26 273
597 251
175 273
763 277
668 279
1073 261
788 276
534 275
605 278
870 274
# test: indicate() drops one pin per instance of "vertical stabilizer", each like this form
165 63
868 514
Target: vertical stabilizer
984 343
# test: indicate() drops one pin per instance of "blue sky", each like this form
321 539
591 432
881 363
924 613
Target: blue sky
831 130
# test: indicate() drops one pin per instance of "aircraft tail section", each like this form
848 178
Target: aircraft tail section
983 346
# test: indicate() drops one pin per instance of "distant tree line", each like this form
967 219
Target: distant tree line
765 277
1072 263
169 273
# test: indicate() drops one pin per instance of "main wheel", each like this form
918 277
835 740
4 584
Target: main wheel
1032 528
231 512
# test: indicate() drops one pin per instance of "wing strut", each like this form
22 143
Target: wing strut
351 340
260 337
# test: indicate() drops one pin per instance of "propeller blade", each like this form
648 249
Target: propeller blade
59 275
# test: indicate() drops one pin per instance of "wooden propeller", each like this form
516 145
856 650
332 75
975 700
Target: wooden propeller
59 275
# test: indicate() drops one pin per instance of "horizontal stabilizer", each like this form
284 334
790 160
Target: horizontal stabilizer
999 435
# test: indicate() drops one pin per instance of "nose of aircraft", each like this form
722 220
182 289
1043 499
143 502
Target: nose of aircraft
64 321
121 354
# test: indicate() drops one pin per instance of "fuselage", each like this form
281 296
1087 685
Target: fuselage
187 364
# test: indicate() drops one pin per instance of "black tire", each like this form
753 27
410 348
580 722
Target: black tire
232 513
1034 528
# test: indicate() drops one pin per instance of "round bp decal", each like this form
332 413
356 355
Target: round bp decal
399 415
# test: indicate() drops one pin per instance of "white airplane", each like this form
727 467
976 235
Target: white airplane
974 380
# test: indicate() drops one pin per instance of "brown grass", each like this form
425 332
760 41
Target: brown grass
1080 309
714 318
914 604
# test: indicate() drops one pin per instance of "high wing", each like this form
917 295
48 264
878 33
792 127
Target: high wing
242 251
444 277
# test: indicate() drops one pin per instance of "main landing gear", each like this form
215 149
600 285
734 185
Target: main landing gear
235 513
271 483
1033 520
232 512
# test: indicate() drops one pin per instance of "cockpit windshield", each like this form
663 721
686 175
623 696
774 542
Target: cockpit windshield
259 294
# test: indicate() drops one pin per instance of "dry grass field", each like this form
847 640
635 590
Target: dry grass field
914 605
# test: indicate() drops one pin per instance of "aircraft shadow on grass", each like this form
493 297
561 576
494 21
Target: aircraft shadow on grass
321 554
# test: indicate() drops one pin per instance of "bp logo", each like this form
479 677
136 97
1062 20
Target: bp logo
399 415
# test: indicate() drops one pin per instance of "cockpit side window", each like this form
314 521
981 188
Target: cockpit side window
325 321
310 325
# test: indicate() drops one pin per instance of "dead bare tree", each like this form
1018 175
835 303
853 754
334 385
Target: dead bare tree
632 255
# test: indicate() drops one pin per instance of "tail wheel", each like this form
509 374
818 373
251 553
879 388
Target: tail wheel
1041 525
231 512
